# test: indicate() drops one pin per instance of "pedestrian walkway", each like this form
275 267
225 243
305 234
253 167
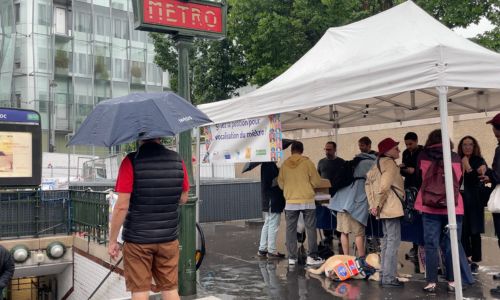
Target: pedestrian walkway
232 270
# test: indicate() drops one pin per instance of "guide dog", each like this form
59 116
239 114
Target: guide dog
368 267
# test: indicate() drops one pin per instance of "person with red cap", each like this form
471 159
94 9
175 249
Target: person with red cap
386 205
493 175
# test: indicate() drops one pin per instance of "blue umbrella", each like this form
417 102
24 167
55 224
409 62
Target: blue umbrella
138 116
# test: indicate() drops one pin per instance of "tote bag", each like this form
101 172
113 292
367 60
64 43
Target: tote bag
494 201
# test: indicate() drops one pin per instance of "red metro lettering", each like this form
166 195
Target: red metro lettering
184 15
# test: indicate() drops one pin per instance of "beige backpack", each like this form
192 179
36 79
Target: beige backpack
372 186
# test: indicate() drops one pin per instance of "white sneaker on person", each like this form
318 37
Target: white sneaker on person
314 261
292 261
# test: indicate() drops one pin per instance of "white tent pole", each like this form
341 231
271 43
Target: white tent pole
450 200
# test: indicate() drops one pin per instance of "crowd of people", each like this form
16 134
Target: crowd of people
385 192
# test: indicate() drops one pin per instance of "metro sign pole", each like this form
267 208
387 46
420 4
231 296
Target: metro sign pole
184 20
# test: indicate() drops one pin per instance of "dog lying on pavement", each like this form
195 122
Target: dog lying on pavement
342 267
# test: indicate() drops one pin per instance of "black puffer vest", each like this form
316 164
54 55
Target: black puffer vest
153 215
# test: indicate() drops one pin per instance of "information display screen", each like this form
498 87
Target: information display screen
20 148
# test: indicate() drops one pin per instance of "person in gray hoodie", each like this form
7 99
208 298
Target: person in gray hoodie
351 205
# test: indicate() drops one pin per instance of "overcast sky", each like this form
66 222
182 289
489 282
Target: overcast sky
475 29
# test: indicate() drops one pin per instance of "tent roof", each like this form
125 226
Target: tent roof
381 69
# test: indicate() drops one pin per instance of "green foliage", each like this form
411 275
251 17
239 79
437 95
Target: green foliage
490 39
61 59
100 68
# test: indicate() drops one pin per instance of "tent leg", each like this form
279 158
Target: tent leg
452 220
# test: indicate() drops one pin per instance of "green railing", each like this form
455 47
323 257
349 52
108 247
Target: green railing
33 213
42 213
90 215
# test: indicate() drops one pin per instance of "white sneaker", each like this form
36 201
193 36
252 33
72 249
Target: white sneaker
292 261
311 261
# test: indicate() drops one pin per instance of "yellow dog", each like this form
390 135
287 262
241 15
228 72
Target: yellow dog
370 267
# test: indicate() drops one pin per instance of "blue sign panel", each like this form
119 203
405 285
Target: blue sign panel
19 116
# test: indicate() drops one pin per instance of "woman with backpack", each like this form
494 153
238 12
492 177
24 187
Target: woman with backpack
474 166
431 201
383 185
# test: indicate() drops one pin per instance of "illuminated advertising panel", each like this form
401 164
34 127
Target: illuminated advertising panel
20 148
191 18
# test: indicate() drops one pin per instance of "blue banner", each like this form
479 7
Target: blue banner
19 116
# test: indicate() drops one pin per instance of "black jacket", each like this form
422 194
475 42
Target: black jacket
7 267
410 160
153 215
272 196
494 172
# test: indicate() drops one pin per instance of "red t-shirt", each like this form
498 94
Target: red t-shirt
125 179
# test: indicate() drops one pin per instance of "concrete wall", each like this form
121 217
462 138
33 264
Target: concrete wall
64 281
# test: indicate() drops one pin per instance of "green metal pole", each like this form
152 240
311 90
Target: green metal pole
187 232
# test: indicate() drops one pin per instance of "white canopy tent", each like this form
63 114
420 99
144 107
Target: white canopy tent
398 65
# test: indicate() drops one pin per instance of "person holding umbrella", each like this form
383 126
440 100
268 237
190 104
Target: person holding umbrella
152 182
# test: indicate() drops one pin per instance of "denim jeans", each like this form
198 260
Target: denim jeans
390 245
437 236
269 232
292 217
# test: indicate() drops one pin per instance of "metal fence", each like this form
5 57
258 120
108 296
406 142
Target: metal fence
90 215
34 213
38 213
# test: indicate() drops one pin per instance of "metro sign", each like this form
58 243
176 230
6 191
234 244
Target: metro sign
192 18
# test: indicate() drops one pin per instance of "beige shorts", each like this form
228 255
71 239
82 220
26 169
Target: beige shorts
346 224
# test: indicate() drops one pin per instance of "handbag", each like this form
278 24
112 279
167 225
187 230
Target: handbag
494 201
408 202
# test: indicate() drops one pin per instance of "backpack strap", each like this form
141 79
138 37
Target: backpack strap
392 187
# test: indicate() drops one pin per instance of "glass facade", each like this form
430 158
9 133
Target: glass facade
61 57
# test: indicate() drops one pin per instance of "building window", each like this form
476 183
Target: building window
18 100
43 16
42 58
17 58
17 8
60 20
83 22
82 64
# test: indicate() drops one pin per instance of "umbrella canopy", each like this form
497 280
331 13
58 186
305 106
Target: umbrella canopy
138 116
251 165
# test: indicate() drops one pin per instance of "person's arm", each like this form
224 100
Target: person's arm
124 187
117 218
8 271
314 177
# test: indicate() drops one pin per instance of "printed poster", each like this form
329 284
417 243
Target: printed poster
15 154
247 140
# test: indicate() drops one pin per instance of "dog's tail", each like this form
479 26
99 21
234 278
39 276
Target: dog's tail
319 270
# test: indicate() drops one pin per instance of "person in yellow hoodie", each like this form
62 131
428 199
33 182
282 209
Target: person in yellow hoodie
297 178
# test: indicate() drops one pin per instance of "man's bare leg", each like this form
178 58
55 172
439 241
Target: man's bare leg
170 295
344 239
140 295
360 244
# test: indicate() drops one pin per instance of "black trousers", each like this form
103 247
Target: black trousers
472 246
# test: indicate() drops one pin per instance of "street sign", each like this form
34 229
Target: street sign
198 18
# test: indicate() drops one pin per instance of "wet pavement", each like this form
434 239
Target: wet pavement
232 270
